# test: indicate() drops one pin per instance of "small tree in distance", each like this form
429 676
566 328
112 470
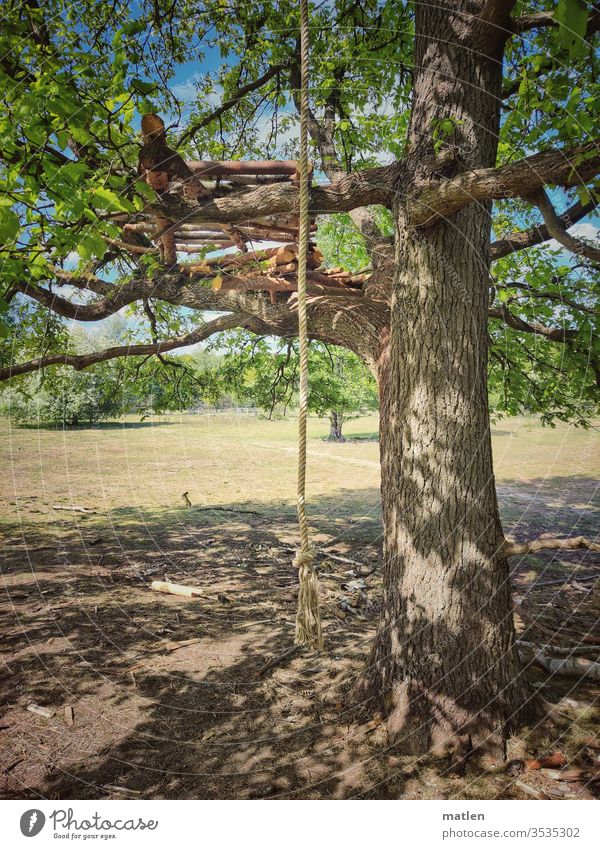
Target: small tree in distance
264 372
340 386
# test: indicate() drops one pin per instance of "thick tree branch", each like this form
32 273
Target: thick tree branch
535 20
557 229
554 334
348 321
565 167
521 239
81 280
82 361
126 294
428 204
539 20
360 188
228 104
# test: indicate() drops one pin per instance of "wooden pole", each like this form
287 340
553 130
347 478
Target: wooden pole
221 168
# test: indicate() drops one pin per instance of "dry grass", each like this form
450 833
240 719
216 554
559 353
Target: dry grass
223 459
81 628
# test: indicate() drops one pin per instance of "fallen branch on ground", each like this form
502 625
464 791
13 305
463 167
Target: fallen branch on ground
228 510
510 549
275 661
561 632
565 774
556 650
176 589
173 645
115 788
167 646
579 667
47 713
340 559
568 579
531 791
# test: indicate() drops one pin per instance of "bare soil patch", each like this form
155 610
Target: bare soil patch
157 696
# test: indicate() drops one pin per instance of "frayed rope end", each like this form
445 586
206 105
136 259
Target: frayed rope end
308 617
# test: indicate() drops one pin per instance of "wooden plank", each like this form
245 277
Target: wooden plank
223 167
283 267
198 235
257 179
274 284
140 227
200 246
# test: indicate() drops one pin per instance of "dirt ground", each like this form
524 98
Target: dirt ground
156 696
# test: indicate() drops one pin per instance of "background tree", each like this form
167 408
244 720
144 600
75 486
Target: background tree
264 373
340 386
458 119
140 385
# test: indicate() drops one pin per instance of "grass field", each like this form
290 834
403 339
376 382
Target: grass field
228 460
160 717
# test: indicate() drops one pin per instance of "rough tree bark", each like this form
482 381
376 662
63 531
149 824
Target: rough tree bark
336 421
444 667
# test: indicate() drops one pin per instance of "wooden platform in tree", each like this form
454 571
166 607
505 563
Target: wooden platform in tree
233 256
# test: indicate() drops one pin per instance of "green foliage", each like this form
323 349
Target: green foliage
63 397
143 386
552 83
341 243
527 373
76 77
265 373
572 16
339 382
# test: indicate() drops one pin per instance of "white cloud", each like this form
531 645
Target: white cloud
584 230
187 91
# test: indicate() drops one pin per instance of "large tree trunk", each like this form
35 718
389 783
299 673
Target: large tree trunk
444 667
336 420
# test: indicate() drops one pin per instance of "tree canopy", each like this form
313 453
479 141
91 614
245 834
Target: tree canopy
77 77
76 80
266 375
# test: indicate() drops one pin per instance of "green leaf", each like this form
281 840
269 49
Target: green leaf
145 190
103 198
143 87
92 245
572 17
9 225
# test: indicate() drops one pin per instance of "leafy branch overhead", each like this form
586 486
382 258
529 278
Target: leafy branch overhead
73 205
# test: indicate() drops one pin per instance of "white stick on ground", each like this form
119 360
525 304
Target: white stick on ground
176 589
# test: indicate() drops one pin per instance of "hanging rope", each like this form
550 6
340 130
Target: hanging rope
308 619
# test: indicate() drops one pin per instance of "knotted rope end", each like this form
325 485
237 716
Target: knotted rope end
308 617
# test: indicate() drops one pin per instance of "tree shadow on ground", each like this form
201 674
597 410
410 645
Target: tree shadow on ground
154 719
